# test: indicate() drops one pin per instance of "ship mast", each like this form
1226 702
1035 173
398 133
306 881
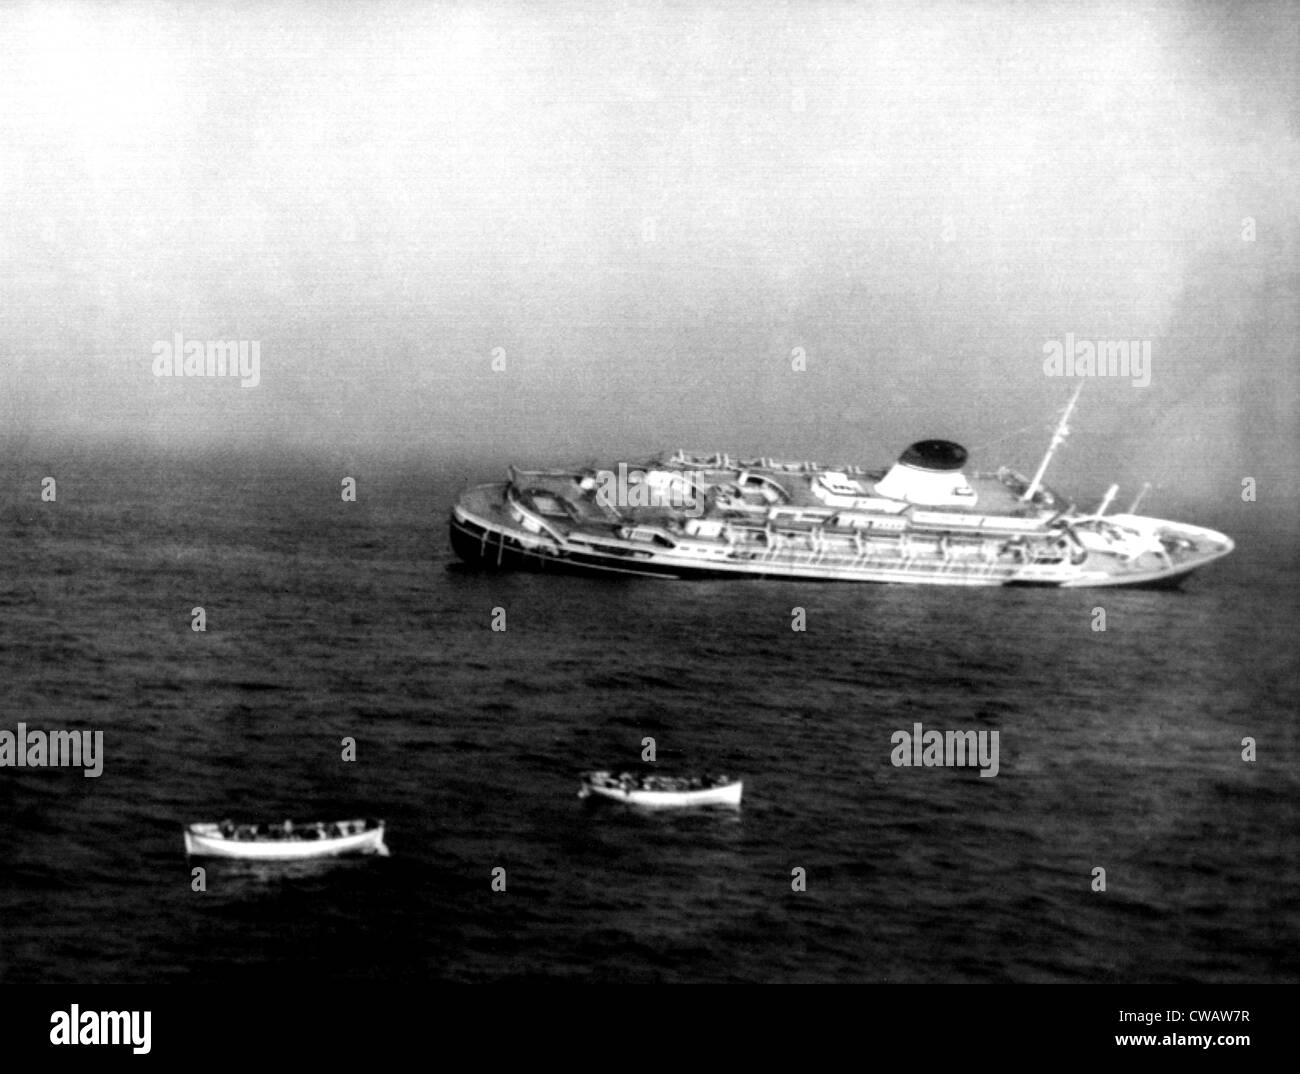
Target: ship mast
1058 438
1138 498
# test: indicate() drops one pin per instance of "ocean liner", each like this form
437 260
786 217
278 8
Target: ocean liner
924 520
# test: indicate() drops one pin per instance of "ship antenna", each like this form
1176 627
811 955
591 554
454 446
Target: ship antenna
1138 498
1111 493
1058 438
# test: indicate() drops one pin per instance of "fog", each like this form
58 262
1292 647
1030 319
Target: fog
583 231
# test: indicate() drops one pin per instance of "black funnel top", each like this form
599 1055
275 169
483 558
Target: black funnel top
934 455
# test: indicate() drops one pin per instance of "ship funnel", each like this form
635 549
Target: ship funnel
929 472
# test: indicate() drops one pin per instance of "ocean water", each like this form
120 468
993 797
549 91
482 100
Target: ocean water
1118 750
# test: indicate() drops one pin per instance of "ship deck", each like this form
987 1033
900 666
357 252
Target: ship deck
566 505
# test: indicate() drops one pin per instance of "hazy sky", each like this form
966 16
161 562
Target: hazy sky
648 208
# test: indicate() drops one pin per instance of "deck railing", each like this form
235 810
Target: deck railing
900 560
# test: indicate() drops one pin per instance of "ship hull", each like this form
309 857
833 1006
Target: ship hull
491 545
494 548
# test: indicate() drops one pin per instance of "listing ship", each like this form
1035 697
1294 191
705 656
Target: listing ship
924 520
